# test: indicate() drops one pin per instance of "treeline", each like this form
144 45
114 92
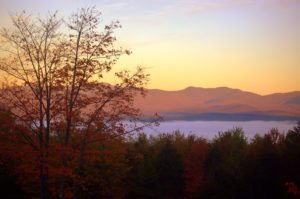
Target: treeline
177 166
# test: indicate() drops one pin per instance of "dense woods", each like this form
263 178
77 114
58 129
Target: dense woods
165 166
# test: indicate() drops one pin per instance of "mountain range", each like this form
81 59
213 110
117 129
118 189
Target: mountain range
225 104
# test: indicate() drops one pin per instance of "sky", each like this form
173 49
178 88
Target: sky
252 45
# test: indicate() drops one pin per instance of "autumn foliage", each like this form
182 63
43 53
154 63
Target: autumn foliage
65 133
57 103
164 166
194 168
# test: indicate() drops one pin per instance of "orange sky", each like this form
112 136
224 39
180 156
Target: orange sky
246 44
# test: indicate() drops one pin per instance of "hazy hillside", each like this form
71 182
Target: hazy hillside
220 103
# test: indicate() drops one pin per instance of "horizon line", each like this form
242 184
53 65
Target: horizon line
221 87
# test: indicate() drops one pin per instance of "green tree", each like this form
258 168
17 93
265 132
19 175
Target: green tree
225 165
142 179
169 166
264 166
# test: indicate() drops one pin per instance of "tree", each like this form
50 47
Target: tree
56 93
8 183
170 168
142 178
291 160
224 165
194 168
265 168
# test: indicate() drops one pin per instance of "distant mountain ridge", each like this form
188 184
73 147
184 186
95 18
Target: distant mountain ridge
220 103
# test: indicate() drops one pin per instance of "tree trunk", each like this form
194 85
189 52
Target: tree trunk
44 194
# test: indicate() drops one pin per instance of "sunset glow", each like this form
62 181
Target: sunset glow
146 99
245 44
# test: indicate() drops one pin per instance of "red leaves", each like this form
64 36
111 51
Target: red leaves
62 107
194 170
292 188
